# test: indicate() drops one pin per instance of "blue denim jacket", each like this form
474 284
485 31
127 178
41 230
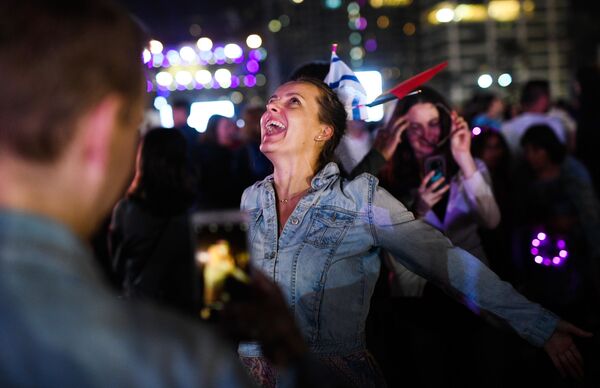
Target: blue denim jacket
60 325
326 261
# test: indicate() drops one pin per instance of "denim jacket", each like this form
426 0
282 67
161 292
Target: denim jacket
326 261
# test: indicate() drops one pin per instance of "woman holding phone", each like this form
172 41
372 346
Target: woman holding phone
318 236
459 200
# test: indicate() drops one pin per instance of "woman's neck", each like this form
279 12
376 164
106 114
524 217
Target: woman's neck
292 176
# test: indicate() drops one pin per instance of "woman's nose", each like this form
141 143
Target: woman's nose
272 106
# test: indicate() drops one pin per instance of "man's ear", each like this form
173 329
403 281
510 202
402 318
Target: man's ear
98 127
325 134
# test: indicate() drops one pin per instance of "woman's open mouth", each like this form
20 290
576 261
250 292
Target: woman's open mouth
274 127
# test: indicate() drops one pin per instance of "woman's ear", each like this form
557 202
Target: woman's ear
325 134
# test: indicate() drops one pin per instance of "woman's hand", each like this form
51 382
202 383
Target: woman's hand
460 144
388 138
562 350
429 196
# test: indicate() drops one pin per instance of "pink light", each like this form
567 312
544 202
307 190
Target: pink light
476 131
561 244
541 236
360 23
148 86
250 80
538 259
563 254
556 260
535 243
534 251
252 66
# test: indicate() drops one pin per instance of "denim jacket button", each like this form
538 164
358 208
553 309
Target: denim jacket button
271 255
295 221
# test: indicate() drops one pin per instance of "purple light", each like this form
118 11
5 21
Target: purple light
556 260
252 66
535 242
547 262
538 259
361 23
199 86
371 45
541 236
535 251
476 131
220 61
254 54
560 244
235 81
239 59
563 254
250 80
148 86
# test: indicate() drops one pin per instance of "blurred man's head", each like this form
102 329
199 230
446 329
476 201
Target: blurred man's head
181 112
71 101
535 96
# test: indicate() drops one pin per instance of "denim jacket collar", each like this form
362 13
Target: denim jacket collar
327 174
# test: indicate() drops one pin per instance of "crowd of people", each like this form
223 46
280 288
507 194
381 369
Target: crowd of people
443 247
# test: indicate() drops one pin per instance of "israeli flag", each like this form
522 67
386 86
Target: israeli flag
349 90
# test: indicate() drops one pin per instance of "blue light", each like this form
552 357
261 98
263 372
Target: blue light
333 4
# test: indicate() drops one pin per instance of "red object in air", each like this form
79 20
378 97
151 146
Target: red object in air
403 88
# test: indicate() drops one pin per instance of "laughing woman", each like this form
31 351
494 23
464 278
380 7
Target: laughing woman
318 236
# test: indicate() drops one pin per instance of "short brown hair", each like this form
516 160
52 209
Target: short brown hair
57 59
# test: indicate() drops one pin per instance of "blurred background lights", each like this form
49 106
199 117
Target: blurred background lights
361 23
236 98
159 102
254 41
476 131
285 20
183 77
250 80
371 45
357 53
164 79
200 112
355 38
204 44
156 47
333 4
187 53
203 77
219 54
383 22
261 80
444 15
146 56
274 25
298 1
504 80
409 29
373 84
353 8
252 66
223 77
485 81
504 10
173 57
233 51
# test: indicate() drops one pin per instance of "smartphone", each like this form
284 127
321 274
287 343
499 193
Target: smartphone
221 256
435 163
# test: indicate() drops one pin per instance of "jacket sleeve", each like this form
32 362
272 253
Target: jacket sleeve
428 253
